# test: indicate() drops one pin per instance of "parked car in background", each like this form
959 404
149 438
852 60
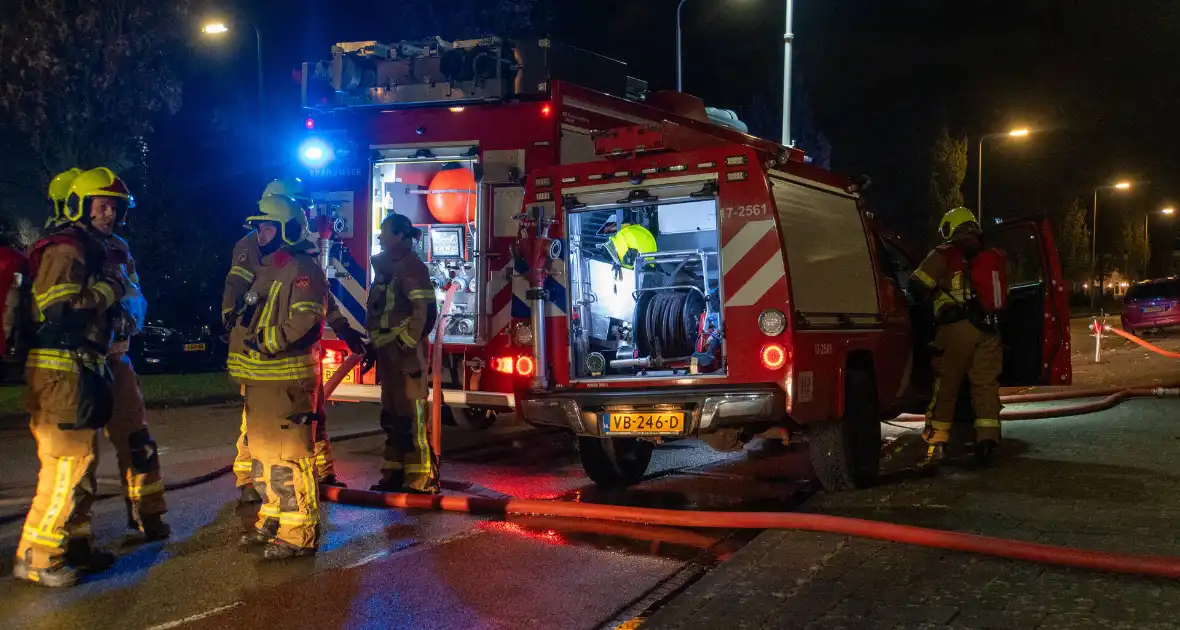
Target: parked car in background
1152 305
179 341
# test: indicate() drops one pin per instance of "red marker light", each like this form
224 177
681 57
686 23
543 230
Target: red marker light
309 123
773 356
546 110
524 366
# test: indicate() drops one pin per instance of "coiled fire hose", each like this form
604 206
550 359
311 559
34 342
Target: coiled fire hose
1157 566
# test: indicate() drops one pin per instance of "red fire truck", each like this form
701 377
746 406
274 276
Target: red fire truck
444 133
769 301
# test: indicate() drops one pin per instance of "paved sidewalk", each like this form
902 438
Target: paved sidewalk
1107 481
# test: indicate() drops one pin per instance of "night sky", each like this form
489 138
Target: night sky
1096 81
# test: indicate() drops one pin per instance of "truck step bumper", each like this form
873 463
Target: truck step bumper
347 392
706 411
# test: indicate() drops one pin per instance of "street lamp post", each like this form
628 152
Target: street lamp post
219 28
679 69
788 39
1147 240
1124 185
1015 133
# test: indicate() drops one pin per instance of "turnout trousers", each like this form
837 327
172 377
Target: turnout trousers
962 350
60 514
325 464
135 450
409 459
281 422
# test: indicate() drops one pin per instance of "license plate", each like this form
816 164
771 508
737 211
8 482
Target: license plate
1154 309
329 372
194 347
656 423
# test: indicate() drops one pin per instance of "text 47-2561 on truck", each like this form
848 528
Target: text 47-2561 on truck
757 294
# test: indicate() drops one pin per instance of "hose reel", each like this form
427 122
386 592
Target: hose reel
667 322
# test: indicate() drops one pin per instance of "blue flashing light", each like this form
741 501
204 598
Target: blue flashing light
315 153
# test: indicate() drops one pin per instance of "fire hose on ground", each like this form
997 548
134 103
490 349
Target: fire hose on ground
1156 566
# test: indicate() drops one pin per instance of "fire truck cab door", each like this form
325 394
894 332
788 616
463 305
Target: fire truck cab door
1035 326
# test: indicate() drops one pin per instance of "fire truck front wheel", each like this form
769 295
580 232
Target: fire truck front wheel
614 462
846 453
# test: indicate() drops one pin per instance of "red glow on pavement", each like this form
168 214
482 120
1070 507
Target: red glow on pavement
548 536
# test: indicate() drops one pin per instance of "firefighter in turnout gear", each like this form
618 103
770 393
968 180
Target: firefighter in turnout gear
74 298
966 342
135 449
247 255
275 355
401 311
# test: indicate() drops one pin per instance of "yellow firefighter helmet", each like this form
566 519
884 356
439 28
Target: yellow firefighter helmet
630 241
954 219
291 187
97 182
59 190
287 213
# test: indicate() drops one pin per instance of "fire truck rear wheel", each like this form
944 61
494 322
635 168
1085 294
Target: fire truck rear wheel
846 453
473 418
614 462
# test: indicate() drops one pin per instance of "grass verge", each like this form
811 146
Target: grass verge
158 390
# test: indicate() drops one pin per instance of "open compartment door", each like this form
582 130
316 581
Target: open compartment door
1035 327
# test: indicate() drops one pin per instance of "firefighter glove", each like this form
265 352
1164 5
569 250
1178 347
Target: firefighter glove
353 339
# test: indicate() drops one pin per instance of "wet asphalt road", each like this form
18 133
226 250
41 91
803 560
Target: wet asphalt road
421 569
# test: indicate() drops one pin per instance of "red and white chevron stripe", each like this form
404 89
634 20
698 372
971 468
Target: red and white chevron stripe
752 264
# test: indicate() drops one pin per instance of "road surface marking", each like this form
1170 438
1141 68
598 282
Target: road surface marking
196 617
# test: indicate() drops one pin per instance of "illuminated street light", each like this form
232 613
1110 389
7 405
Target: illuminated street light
1122 185
1147 241
217 29
1019 132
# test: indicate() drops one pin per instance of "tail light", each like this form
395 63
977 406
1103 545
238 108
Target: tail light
525 366
333 356
502 365
522 365
773 356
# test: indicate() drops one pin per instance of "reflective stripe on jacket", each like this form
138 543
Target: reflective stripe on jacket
281 342
402 303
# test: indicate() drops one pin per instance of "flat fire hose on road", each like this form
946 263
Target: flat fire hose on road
1157 566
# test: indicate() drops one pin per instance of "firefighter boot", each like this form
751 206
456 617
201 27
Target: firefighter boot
281 550
331 480
82 553
254 538
985 453
60 576
387 485
154 528
935 456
